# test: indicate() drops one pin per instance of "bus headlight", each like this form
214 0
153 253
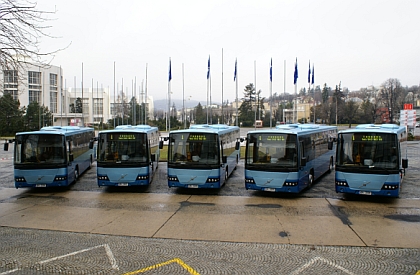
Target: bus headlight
60 178
142 177
20 179
390 187
171 178
209 180
103 178
341 183
249 180
294 183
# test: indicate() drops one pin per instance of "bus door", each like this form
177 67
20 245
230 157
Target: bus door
223 164
151 158
303 168
70 164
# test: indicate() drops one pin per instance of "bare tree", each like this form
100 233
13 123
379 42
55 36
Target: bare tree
392 97
21 28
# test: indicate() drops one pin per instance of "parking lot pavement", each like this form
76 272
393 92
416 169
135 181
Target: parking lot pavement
85 229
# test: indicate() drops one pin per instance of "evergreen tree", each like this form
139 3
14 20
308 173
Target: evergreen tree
200 116
11 116
246 115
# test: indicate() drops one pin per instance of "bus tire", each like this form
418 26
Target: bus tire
330 166
76 174
90 163
226 175
310 179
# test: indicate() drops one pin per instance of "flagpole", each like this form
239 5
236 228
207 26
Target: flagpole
114 96
236 80
145 100
295 82
169 97
208 76
284 87
271 93
255 81
183 98
223 117
313 87
309 88
211 111
83 114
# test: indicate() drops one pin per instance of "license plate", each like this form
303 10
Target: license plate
123 184
41 185
192 186
365 193
270 189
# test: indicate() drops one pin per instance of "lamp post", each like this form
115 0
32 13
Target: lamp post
184 116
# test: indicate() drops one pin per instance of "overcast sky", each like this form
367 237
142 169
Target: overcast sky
359 43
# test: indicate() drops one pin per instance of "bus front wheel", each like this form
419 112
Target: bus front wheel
330 167
310 179
76 174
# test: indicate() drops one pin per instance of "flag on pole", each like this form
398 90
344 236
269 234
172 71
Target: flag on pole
234 76
208 68
271 70
313 74
170 72
309 73
296 73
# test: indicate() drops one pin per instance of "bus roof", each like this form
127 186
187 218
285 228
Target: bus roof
132 128
60 130
206 128
295 129
376 128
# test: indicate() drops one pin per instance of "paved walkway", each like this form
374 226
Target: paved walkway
310 221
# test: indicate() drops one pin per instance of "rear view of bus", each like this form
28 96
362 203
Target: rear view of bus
289 158
203 156
127 155
370 160
53 156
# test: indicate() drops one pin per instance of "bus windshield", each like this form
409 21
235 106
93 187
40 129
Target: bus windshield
40 149
122 147
375 151
193 148
269 151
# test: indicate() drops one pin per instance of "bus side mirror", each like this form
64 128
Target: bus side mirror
224 159
153 157
161 144
6 147
303 161
405 163
237 145
330 145
71 158
91 144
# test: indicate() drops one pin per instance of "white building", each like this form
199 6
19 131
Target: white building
44 84
35 83
96 107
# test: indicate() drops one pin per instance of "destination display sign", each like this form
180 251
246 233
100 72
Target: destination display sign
272 138
197 137
367 138
122 137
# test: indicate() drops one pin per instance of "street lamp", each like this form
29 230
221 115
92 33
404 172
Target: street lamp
183 111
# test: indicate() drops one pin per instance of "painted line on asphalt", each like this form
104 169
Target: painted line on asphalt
175 260
316 259
108 252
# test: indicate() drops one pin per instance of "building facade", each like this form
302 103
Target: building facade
44 84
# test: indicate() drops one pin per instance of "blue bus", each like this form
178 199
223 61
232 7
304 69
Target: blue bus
370 161
288 158
52 156
127 155
203 156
